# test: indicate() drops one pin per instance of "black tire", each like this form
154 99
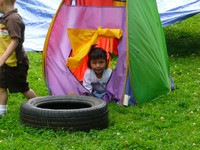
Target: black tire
73 113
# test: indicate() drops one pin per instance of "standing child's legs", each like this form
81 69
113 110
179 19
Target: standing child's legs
29 94
3 100
19 80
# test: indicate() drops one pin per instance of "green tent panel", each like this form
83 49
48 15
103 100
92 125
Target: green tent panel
149 66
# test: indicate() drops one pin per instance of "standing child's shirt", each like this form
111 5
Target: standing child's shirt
95 85
12 26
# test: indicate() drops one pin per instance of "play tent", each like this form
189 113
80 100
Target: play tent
142 69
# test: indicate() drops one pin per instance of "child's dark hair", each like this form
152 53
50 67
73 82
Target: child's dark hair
96 53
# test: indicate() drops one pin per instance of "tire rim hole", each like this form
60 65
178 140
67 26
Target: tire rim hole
64 105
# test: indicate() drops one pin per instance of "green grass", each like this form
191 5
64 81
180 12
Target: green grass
169 122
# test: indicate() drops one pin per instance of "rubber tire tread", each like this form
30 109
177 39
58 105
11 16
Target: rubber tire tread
95 116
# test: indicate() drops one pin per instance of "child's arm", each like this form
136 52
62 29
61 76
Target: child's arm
11 47
86 81
87 84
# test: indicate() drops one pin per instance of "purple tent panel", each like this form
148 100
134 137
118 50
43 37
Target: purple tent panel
59 78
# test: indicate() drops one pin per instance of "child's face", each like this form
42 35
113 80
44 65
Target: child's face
98 65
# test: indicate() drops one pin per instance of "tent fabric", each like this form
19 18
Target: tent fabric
149 67
107 44
59 78
94 2
142 68
82 40
38 14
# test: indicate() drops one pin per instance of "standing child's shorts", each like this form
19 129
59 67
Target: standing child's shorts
15 78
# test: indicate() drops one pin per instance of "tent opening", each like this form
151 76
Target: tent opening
109 45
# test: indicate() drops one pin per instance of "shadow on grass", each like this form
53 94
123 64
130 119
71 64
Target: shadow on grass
183 39
183 45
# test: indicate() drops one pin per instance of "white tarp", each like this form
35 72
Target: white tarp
173 11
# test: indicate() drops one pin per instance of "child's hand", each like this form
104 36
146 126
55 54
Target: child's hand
1 61
98 95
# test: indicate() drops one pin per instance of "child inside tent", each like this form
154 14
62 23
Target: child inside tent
98 73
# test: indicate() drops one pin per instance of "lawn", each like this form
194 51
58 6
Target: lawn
171 121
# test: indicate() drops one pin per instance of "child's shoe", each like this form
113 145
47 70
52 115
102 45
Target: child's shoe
3 110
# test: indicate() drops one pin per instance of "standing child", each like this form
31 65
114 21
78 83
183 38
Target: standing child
97 74
13 59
